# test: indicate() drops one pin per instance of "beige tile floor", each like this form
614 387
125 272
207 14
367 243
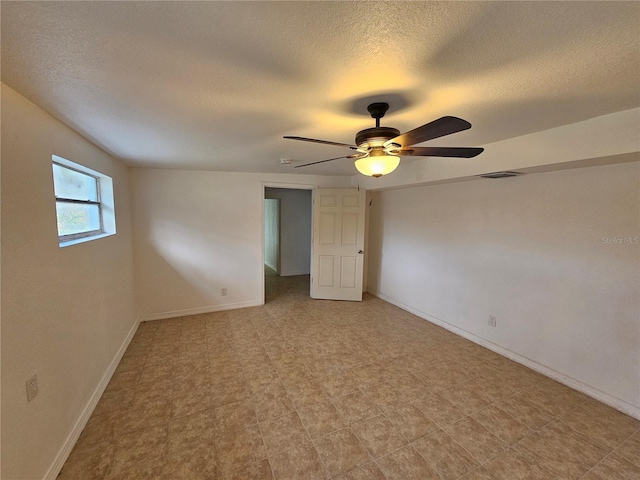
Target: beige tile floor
304 389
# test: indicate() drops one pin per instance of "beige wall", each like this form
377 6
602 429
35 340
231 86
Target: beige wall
198 232
65 311
529 250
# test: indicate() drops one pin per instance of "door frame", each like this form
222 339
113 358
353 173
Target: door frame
290 186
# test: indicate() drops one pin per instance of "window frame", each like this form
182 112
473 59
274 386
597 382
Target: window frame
88 233
105 200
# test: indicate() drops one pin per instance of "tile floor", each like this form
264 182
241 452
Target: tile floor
302 390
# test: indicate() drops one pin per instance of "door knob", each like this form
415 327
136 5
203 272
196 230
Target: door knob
360 252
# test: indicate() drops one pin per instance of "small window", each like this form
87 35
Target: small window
77 203
83 205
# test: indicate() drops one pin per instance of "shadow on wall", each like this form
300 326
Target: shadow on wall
180 258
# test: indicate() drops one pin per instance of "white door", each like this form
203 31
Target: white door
338 243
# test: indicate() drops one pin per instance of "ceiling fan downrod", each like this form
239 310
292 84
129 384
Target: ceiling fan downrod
377 111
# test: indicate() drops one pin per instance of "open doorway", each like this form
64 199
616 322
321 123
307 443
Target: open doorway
287 237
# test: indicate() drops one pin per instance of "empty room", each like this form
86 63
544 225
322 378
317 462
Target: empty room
320 240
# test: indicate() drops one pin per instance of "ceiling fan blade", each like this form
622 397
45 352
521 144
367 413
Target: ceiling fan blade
325 142
438 128
462 152
330 160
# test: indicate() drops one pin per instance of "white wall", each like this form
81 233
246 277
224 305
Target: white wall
198 232
295 230
529 250
65 311
272 233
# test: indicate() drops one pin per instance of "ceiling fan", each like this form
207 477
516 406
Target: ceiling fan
378 149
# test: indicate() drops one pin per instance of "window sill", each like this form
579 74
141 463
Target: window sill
85 239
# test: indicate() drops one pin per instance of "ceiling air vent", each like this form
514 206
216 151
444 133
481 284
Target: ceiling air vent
504 174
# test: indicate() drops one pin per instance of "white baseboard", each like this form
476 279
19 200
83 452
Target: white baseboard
272 267
571 382
291 274
72 438
198 310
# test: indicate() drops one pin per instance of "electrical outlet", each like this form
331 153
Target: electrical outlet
32 388
492 320
223 291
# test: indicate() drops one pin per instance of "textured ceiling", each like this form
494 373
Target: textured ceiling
215 85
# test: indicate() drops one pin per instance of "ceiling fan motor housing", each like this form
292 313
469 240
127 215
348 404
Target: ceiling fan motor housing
376 136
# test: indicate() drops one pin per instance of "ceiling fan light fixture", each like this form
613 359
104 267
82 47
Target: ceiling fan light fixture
377 165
